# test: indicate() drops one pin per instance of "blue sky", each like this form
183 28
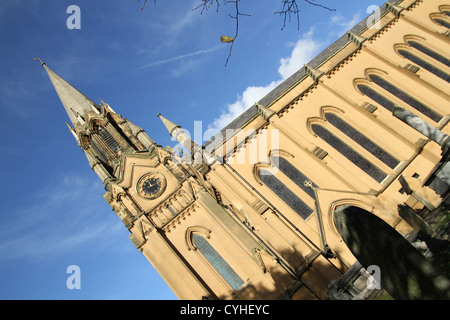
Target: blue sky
165 58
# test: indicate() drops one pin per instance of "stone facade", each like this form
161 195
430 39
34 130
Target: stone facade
250 215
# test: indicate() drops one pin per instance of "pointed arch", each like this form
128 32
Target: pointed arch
445 9
198 230
420 43
395 90
324 131
421 59
326 109
372 71
361 139
441 19
345 202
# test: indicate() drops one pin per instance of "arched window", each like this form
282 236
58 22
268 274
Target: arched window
423 48
424 64
282 191
442 20
445 9
348 152
362 140
285 193
405 97
216 260
296 176
377 97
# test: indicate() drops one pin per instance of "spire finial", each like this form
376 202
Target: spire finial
38 59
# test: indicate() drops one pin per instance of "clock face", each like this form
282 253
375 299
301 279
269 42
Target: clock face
151 185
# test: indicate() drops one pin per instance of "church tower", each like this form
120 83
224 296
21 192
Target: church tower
255 212
193 236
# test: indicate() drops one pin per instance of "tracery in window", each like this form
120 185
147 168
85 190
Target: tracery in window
217 261
445 9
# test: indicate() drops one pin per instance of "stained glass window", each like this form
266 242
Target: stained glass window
443 22
296 176
377 97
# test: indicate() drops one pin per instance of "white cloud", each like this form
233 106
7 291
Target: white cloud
235 109
341 25
304 50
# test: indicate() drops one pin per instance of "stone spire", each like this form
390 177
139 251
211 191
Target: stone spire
75 103
170 126
195 151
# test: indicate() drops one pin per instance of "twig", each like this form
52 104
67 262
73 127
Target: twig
145 1
206 5
290 7
236 18
319 5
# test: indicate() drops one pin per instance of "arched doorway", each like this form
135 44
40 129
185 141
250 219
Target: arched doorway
404 272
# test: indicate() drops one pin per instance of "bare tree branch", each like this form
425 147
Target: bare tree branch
206 4
236 18
290 9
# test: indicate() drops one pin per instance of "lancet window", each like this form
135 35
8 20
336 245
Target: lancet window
217 261
269 177
405 97
362 140
348 151
424 64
